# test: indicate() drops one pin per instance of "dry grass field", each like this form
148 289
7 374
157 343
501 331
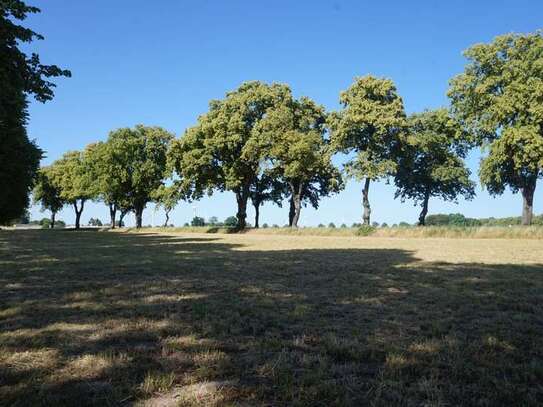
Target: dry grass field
102 318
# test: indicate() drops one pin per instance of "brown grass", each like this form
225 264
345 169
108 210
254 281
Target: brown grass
99 318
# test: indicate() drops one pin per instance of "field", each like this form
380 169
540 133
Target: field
103 318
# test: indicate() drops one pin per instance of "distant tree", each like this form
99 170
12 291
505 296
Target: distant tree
20 76
498 99
320 225
343 226
223 151
370 125
48 194
265 226
95 222
197 221
275 226
231 221
300 154
375 224
404 225
266 188
167 197
384 225
356 225
431 161
186 224
212 221
331 225
72 176
140 162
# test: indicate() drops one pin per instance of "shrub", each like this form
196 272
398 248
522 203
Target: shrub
384 225
265 226
343 226
331 225
320 225
198 221
365 230
231 221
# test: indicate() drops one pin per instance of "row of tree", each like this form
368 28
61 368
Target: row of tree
263 144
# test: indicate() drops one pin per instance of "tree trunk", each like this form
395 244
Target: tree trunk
138 211
53 216
528 202
78 213
121 217
366 202
241 198
296 204
257 213
424 212
112 214
167 219
291 211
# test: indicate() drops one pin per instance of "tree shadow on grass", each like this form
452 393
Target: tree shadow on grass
97 318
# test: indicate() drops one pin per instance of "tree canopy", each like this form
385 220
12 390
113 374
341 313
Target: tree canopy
20 76
499 99
138 159
223 150
370 125
431 161
293 134
47 193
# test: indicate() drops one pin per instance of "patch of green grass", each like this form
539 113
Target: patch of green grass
97 318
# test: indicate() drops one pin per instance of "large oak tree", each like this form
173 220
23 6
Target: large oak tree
20 75
370 126
431 163
223 151
499 100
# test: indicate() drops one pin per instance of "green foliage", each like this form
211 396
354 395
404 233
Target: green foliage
213 221
224 150
137 158
370 125
453 219
431 162
265 226
95 222
498 99
331 225
300 156
20 76
197 221
384 225
365 230
46 192
231 221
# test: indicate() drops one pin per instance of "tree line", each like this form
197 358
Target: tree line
265 145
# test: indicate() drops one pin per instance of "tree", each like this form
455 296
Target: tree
197 221
95 222
48 194
167 197
223 151
138 157
499 99
73 177
20 76
213 221
371 125
299 153
266 188
431 161
231 221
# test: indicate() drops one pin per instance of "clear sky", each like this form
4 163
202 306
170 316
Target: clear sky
160 62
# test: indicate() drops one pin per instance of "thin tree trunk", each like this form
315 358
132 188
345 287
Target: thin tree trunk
291 211
78 213
528 203
424 212
256 204
297 203
121 217
53 216
366 202
167 213
112 214
241 198
138 210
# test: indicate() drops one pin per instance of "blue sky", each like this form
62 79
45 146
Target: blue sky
159 63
